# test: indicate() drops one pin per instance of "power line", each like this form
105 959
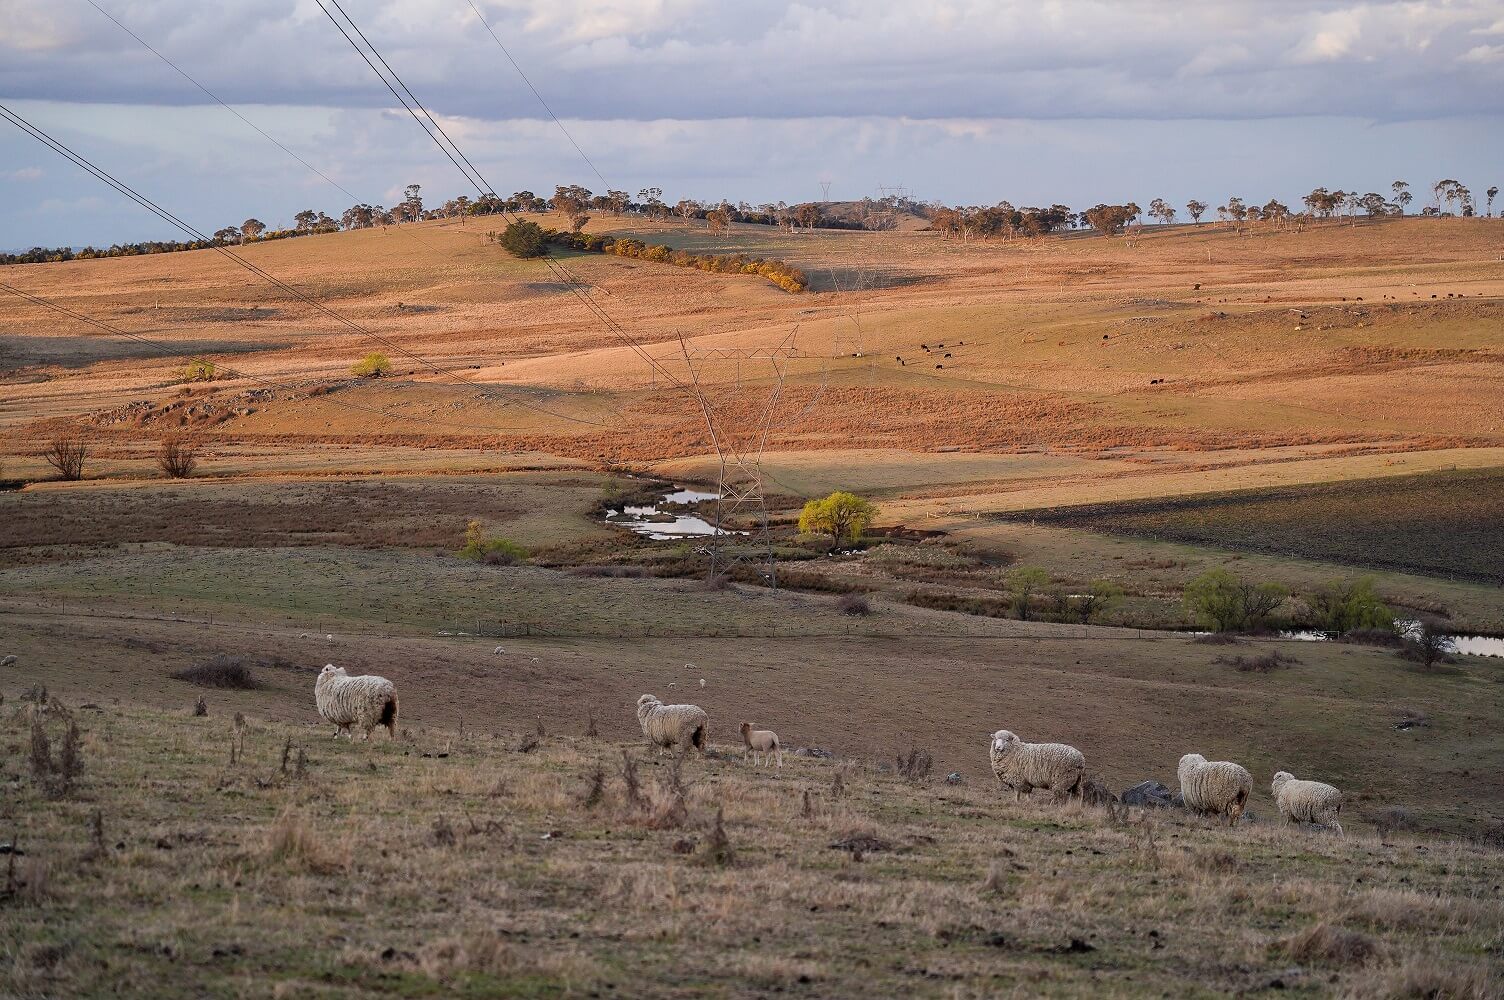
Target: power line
259 130
571 282
155 344
79 160
539 96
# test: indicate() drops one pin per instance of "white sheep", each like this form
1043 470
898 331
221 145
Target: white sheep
497 651
10 661
1218 787
368 701
1024 767
1307 801
763 742
673 727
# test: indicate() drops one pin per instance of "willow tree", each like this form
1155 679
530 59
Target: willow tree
843 516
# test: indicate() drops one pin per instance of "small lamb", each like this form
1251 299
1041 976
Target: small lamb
763 742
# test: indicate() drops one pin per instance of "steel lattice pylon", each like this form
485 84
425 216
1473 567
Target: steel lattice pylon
741 524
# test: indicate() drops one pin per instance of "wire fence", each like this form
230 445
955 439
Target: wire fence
315 628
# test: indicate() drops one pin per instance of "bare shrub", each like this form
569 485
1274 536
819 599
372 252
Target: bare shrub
55 775
200 707
670 799
916 765
1329 945
527 743
1373 637
1428 645
719 581
717 848
1268 663
442 833
221 671
632 782
595 791
1218 639
66 454
177 458
856 605
1393 819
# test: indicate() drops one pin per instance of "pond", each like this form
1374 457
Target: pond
1471 645
666 525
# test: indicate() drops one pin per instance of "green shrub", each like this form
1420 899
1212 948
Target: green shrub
491 551
198 370
372 366
1023 583
523 239
1345 605
1224 603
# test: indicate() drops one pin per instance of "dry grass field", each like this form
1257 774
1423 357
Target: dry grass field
1131 410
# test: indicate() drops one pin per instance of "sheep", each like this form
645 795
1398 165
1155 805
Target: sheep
9 661
368 701
1307 801
673 727
761 741
497 651
1218 787
1024 767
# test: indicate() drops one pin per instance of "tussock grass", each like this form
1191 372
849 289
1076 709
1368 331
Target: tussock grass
464 866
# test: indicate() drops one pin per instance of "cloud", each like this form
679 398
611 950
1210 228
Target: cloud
1483 54
700 59
24 174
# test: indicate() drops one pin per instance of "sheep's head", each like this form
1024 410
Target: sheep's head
746 728
647 699
1002 739
1192 758
1280 777
330 668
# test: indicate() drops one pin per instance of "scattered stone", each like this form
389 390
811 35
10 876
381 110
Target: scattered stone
953 778
1150 794
815 752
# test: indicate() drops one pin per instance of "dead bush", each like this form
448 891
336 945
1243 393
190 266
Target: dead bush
717 848
1218 639
55 775
177 458
1393 819
1267 663
66 453
221 671
916 765
856 605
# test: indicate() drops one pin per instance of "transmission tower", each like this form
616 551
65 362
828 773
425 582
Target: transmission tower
741 533
825 192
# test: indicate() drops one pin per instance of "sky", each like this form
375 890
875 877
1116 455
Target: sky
958 101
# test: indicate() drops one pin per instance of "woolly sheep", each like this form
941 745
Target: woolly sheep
1218 787
673 727
1024 767
368 701
1307 801
761 741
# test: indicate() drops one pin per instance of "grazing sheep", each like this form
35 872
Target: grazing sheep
1024 767
1218 787
497 651
10 661
1307 801
761 741
673 727
346 701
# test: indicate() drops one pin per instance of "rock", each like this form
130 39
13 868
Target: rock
1150 794
9 661
814 752
953 778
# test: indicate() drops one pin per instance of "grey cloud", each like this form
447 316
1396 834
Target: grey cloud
647 59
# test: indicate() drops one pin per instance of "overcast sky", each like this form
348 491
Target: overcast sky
962 102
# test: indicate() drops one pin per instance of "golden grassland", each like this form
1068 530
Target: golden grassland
232 854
